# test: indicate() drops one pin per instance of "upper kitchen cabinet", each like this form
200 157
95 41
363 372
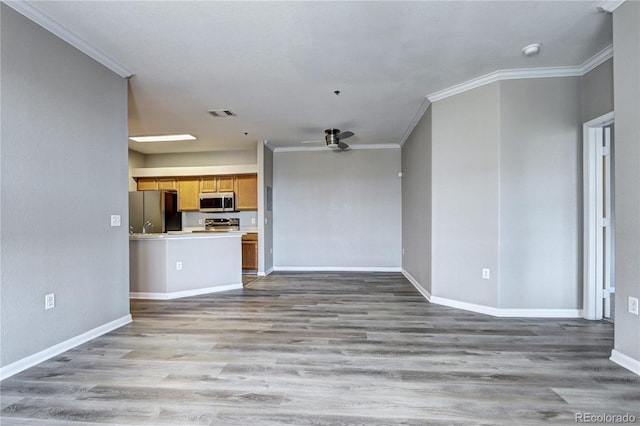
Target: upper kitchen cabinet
157 184
167 184
209 184
147 184
189 194
217 184
246 189
226 183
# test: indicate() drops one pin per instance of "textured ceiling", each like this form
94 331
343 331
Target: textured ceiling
276 64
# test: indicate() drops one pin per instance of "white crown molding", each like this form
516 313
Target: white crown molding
514 74
324 148
39 17
37 358
599 58
609 5
517 74
416 118
269 145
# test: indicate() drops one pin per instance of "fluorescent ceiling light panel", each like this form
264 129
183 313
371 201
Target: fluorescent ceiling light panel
163 138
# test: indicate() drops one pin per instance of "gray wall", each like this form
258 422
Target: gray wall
597 91
503 165
136 160
540 194
64 172
465 188
196 159
337 209
267 235
626 38
416 202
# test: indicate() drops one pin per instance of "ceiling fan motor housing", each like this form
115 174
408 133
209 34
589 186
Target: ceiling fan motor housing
331 137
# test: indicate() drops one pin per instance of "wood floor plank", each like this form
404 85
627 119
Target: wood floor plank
325 349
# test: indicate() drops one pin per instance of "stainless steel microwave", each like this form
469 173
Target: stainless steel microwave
217 202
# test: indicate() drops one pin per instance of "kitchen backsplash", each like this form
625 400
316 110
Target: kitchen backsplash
191 219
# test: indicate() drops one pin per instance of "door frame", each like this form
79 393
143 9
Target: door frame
593 291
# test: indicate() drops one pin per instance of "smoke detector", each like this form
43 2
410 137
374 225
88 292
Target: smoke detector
531 50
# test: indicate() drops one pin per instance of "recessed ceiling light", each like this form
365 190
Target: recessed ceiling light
163 138
531 50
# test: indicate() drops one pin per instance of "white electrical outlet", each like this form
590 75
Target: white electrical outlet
49 301
633 305
486 273
115 220
253 220
178 266
199 221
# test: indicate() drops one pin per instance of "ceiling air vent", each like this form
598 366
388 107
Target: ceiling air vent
221 113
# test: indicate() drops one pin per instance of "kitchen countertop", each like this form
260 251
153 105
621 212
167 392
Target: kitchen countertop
175 235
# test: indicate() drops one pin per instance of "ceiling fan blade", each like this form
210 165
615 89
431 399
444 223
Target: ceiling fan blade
343 145
346 134
318 141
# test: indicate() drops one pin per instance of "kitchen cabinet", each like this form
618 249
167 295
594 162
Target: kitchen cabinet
250 252
188 194
246 189
157 184
189 188
147 184
167 184
225 183
217 183
209 184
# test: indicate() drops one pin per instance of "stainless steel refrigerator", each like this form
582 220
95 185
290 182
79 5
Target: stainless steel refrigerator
154 212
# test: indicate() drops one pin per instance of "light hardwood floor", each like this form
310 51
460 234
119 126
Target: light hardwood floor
326 349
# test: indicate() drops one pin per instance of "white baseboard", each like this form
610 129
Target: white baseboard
267 272
495 312
184 293
627 362
417 285
37 358
508 312
338 268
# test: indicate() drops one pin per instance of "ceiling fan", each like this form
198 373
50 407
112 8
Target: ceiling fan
333 138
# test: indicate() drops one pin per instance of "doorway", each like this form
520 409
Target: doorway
599 219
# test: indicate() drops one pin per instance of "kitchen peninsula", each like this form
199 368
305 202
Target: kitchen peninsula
181 264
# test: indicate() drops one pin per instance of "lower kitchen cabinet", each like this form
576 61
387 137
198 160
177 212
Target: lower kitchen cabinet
250 252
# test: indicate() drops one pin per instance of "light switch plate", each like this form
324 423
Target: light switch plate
633 305
115 220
